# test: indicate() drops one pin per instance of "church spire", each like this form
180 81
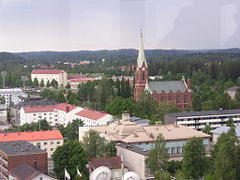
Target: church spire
141 56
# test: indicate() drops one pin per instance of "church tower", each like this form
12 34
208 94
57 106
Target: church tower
141 75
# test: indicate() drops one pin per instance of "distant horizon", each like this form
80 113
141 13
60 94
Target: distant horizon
36 51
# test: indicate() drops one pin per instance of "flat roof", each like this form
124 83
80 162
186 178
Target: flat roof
133 148
19 148
204 113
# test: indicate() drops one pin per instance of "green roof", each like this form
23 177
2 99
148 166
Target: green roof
166 86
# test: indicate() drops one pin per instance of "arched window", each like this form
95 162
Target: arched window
178 99
163 99
185 98
170 98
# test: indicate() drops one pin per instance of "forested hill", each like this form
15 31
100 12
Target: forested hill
5 57
122 54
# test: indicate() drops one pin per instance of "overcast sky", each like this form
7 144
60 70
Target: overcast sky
34 25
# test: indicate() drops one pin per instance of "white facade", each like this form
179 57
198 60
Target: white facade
61 77
40 176
95 122
28 117
3 113
48 145
12 96
65 117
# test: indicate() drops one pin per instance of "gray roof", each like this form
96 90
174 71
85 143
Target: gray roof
225 129
139 121
24 172
205 113
166 86
133 148
28 102
19 148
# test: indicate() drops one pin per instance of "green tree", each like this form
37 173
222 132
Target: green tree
72 129
225 156
42 83
54 83
70 156
60 97
68 86
110 149
35 82
230 122
162 175
194 159
2 100
44 125
94 145
48 84
207 129
158 156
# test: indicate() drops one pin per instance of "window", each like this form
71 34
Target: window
58 142
179 150
52 149
173 151
45 143
52 142
34 114
185 98
178 99
163 99
169 98
40 178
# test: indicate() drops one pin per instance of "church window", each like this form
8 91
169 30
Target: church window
163 99
178 99
169 98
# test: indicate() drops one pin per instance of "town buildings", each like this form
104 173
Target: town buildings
62 114
78 79
15 153
48 75
176 92
3 113
199 119
12 96
45 140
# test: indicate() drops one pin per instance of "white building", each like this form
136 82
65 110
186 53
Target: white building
93 118
49 74
199 119
3 113
66 113
12 96
62 114
29 114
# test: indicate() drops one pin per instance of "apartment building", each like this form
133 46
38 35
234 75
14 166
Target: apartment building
45 140
49 74
93 118
12 96
3 113
199 119
15 153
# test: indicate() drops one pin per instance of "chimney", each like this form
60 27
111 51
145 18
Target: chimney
125 116
67 109
189 84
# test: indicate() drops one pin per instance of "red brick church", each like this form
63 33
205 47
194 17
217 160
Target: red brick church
178 92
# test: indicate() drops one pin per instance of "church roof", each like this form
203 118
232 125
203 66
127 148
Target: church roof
166 86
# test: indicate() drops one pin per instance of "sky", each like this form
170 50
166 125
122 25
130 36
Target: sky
71 25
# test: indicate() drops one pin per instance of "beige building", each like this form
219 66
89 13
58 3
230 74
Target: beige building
46 140
49 74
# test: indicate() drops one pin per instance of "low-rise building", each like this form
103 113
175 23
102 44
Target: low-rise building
199 119
93 118
49 74
224 129
15 153
113 163
12 96
46 140
26 172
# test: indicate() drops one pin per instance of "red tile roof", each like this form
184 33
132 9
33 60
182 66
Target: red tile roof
65 107
76 76
46 71
110 162
31 136
91 114
82 80
31 109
